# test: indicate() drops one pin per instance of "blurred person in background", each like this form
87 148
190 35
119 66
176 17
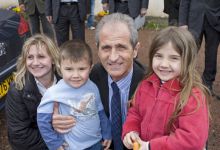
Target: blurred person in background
35 11
171 7
129 7
66 14
202 18
91 18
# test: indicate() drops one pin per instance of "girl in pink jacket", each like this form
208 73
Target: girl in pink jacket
170 108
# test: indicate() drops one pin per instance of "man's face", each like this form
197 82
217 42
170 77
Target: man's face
115 50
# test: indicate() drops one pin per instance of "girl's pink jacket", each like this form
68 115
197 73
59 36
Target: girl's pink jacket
153 107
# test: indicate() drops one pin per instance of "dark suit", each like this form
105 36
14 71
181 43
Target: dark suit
134 6
64 16
203 18
36 14
100 77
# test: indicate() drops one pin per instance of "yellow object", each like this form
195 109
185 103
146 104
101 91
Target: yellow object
136 146
4 85
17 9
103 13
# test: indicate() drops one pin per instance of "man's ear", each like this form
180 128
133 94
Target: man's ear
136 48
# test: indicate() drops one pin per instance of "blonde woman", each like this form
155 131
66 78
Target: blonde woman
36 71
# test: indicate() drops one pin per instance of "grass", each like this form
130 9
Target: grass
155 23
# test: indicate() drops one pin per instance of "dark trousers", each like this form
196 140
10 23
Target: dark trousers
122 7
212 40
34 23
69 18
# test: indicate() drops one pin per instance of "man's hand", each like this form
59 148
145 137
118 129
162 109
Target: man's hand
106 144
130 138
105 7
49 19
22 7
143 12
61 123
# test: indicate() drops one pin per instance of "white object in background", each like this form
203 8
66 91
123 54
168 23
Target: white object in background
8 3
139 22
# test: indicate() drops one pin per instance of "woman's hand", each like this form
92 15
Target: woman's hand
61 123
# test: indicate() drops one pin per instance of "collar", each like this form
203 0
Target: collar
41 87
123 82
172 85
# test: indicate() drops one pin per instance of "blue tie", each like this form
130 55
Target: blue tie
116 117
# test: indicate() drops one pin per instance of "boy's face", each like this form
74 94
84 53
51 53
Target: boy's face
167 63
75 74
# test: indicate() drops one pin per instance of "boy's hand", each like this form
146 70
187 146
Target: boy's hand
61 123
130 138
106 144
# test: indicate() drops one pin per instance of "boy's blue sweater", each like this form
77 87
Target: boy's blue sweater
84 105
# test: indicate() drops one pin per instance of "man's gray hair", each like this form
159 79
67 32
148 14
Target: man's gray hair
118 18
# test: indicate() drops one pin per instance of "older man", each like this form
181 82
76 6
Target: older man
117 42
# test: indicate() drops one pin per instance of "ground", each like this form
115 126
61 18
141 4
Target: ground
145 37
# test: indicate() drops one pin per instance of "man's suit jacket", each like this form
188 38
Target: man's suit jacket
100 77
52 8
193 12
134 6
30 6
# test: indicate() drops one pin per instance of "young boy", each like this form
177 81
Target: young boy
77 95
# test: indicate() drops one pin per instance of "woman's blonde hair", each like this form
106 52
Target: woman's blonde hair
38 40
184 43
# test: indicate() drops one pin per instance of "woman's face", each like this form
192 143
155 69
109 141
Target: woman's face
39 63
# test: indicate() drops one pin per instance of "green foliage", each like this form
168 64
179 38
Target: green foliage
155 23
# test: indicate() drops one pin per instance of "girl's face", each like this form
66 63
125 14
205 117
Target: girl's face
75 74
39 63
167 62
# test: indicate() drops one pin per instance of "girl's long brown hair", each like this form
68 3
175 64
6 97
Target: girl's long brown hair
184 43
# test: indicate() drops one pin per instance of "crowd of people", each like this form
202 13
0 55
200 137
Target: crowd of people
60 100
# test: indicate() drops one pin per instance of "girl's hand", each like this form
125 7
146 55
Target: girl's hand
143 145
61 123
130 138
106 144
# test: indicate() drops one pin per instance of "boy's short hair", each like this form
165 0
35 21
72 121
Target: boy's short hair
75 50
